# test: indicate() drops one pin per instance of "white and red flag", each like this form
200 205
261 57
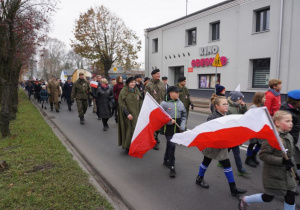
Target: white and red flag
152 117
94 84
230 131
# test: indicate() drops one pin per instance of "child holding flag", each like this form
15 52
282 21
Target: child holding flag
278 178
175 108
221 107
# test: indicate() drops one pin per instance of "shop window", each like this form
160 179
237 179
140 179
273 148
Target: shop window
191 36
207 81
262 20
155 45
261 73
215 31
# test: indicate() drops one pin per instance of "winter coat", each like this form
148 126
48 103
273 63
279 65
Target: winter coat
44 95
157 90
129 103
214 153
54 91
272 102
117 89
184 96
38 88
276 179
141 88
105 98
68 89
296 120
177 111
29 88
236 108
80 90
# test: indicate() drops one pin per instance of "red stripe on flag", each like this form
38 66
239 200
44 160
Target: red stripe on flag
145 139
94 85
231 137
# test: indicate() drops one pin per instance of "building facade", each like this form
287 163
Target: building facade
257 40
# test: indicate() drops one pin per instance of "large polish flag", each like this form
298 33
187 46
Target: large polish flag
152 117
94 84
230 131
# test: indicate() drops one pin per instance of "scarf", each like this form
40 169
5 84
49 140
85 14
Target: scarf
274 92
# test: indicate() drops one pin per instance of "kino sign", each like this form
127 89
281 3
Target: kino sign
205 62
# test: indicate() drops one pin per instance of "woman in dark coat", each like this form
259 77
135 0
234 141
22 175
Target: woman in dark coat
105 97
117 89
130 103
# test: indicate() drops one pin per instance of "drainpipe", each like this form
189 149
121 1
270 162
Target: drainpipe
148 67
279 41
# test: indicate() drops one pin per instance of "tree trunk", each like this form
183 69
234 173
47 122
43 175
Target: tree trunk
14 102
5 109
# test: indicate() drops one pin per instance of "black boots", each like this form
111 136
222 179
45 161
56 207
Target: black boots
236 191
254 154
81 120
172 171
156 147
51 106
250 162
200 181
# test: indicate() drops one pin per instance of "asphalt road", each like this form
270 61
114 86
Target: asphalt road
145 183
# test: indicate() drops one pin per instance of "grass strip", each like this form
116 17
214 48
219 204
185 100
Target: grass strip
42 173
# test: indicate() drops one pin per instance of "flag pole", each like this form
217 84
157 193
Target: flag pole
278 138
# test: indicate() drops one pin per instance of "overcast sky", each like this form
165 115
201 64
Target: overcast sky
137 15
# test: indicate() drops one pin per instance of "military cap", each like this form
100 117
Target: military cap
173 89
155 71
294 94
146 79
180 79
164 78
130 79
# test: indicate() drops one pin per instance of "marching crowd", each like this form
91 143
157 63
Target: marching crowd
124 102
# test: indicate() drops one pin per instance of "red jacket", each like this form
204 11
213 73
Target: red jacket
117 89
273 102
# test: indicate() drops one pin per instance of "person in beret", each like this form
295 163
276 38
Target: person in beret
176 110
292 105
184 95
157 90
165 81
139 84
129 104
146 80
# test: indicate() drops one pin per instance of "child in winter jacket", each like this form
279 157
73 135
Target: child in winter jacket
44 96
273 98
175 108
278 178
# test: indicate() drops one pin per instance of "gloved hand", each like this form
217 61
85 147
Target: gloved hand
192 106
287 163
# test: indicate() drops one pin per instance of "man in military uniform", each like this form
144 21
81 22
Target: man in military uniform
80 92
184 95
54 92
157 90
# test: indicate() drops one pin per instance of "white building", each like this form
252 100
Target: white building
257 40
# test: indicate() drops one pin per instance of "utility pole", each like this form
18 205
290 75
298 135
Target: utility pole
186 5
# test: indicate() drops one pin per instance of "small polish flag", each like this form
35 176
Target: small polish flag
94 84
232 130
152 117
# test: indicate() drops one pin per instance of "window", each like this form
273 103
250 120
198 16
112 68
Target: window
215 31
191 36
208 80
262 20
155 45
261 72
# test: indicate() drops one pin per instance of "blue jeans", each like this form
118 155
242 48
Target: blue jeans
237 158
170 151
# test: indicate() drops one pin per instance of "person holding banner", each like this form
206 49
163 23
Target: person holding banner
279 177
175 108
221 107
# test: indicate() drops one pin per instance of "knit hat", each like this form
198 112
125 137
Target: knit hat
155 71
180 79
130 79
173 89
236 95
294 94
164 78
219 89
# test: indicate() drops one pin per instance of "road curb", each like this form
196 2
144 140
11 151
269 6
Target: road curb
96 179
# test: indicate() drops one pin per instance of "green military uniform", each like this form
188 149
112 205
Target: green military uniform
80 92
184 97
54 91
129 103
156 89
